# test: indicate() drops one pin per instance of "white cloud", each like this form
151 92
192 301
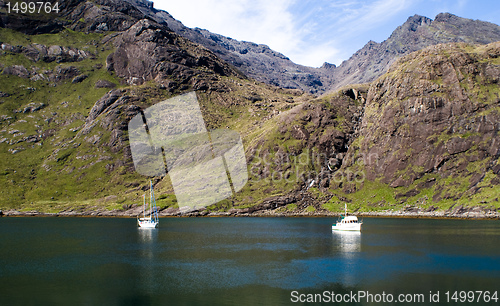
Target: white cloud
343 24
260 21
267 22
305 31
381 10
315 55
308 32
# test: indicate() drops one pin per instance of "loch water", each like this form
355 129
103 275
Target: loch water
243 261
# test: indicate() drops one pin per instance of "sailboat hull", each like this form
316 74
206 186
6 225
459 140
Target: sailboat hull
147 223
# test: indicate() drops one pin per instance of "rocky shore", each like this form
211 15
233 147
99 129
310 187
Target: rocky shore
305 205
459 212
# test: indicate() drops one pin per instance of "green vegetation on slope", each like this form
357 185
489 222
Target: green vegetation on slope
420 136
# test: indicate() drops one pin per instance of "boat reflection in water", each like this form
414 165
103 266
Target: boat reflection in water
347 245
146 235
146 274
348 241
146 241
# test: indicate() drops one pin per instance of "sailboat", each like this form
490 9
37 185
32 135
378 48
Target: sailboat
347 223
150 221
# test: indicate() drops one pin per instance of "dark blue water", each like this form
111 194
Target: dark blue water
241 261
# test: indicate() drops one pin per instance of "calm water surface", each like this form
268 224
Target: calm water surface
239 261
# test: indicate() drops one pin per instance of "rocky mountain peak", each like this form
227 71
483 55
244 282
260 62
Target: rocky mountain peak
146 4
412 24
415 34
449 18
327 65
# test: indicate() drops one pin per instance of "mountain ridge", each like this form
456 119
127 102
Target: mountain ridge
416 33
363 66
257 61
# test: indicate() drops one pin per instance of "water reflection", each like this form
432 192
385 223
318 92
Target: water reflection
147 239
238 261
147 235
348 242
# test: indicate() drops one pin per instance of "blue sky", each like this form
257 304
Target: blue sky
312 32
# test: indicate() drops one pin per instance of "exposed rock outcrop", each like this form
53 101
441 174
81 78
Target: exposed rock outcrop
149 51
435 112
103 15
104 84
61 73
39 52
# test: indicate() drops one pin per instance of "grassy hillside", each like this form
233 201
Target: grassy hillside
422 137
49 164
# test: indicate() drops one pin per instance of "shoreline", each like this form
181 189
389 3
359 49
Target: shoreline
275 206
170 213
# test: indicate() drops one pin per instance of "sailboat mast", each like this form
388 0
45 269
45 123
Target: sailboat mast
150 200
154 210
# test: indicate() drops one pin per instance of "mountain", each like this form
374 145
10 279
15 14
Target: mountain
367 64
418 32
257 61
69 88
422 138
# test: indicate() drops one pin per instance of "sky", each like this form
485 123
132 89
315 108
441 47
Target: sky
313 32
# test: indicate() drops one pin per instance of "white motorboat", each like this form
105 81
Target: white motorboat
150 221
347 223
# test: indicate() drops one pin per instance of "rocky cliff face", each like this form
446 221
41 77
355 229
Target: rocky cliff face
99 15
423 137
430 129
147 51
